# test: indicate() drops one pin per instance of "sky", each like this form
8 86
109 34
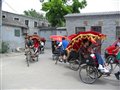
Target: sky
19 6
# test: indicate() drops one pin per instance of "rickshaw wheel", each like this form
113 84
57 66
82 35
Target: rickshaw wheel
88 74
110 60
74 64
37 58
28 58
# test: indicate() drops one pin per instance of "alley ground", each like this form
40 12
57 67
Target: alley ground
44 74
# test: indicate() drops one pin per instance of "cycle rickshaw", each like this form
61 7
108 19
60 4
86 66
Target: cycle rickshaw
88 67
112 62
31 54
55 40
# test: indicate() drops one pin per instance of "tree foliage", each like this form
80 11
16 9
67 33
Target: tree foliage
57 9
34 13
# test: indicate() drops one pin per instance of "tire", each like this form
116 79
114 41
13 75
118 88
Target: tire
53 57
74 64
110 61
88 74
37 58
56 59
28 57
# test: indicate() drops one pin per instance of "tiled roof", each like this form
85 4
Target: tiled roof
16 23
22 15
93 14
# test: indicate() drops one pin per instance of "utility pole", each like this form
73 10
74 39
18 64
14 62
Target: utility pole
0 24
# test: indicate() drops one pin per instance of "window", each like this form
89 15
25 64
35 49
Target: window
35 24
16 18
17 32
117 32
3 16
26 22
79 29
43 24
96 28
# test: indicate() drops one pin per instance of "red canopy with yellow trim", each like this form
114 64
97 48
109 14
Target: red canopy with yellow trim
92 36
70 37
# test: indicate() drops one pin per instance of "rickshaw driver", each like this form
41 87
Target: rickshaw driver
29 44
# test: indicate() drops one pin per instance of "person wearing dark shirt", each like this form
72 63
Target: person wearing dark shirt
117 74
29 42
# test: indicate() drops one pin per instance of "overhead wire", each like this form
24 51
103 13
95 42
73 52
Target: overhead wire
9 6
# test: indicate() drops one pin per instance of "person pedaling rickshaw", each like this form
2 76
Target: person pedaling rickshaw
28 43
32 45
62 46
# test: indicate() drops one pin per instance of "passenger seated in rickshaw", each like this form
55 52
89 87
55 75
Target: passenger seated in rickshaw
87 50
36 46
41 45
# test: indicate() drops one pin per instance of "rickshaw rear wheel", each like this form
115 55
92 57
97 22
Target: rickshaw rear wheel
110 60
88 74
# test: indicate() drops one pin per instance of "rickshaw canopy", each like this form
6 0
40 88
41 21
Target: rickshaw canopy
92 36
70 37
57 37
36 37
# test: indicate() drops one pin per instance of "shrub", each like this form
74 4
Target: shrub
4 47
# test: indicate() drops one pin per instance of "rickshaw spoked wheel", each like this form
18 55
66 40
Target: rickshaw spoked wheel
88 74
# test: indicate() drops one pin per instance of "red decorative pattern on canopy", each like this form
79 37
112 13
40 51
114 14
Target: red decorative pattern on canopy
92 36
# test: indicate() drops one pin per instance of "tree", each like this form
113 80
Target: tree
33 13
57 9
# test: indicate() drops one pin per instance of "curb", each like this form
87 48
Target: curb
12 54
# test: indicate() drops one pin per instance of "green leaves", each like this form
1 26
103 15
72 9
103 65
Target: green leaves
57 9
33 13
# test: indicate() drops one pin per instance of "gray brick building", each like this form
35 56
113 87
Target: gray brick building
15 26
104 22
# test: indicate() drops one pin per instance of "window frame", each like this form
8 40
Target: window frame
17 19
79 29
17 32
27 22
35 24
117 31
